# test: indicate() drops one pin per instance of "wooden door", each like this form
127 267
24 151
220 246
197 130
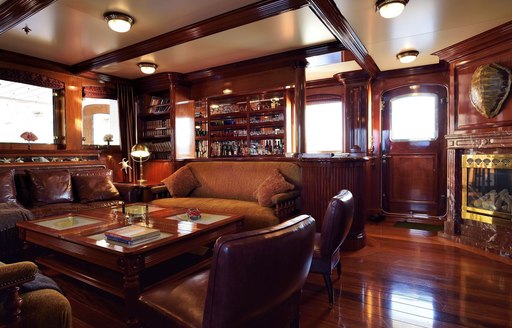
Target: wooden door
413 151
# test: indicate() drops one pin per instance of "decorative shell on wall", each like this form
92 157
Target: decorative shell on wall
490 86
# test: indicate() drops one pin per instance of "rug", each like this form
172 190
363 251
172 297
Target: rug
419 226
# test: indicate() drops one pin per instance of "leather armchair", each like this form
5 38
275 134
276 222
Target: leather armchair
255 280
42 308
335 227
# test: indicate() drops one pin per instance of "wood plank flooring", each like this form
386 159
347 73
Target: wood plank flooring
412 278
409 278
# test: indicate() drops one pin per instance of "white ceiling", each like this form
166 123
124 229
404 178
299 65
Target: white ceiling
73 31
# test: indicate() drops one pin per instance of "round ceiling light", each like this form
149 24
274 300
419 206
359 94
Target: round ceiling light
147 68
406 57
390 8
119 22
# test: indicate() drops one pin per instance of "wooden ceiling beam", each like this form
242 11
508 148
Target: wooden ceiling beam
242 16
329 14
14 12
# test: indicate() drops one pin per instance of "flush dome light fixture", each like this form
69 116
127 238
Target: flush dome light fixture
119 22
390 8
406 57
147 68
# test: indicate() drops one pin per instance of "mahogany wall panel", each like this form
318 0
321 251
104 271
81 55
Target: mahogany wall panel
465 116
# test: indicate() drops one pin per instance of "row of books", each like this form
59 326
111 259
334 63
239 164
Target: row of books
132 235
160 146
159 109
158 101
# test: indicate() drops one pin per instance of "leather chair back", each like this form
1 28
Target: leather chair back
336 224
256 276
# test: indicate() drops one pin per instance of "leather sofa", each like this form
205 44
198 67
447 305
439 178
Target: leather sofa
54 190
265 193
33 191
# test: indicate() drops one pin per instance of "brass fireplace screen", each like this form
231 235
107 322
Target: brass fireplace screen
486 187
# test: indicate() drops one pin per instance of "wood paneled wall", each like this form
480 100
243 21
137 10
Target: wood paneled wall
470 132
323 179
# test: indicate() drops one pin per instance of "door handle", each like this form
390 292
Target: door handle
386 156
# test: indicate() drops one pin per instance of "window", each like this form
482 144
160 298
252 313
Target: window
414 117
26 107
100 122
324 127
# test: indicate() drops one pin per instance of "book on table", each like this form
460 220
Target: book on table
132 234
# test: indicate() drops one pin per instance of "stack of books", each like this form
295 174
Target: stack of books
132 234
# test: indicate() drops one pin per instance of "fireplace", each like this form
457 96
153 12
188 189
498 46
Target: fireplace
487 187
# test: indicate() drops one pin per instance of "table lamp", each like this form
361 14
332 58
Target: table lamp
140 153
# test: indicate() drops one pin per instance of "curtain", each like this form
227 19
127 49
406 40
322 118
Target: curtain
127 117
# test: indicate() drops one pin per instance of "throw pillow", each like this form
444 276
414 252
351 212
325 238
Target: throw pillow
50 187
90 188
181 183
274 184
7 189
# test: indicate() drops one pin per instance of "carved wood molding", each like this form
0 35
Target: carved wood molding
30 78
478 43
491 140
92 91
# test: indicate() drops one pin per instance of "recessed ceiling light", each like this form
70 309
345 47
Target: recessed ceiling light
119 22
406 57
390 8
147 68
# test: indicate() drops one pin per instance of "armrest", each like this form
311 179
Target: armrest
160 191
284 196
285 204
130 193
15 274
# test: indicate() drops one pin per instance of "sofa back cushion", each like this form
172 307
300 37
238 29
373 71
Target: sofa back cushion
94 185
7 188
49 186
238 180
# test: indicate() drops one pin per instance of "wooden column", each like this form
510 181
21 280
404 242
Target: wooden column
356 108
299 129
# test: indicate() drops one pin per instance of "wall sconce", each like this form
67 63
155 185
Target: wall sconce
147 68
390 8
406 57
119 22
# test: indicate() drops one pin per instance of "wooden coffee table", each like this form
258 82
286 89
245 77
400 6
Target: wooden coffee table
77 246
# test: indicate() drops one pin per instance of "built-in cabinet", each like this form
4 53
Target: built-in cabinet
155 124
251 125
229 126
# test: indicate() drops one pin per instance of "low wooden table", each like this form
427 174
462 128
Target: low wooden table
79 249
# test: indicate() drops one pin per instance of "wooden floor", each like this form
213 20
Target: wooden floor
410 278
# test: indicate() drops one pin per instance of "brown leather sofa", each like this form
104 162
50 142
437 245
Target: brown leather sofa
58 190
34 191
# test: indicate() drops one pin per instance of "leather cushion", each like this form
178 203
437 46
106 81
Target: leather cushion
50 187
90 188
272 185
7 189
181 183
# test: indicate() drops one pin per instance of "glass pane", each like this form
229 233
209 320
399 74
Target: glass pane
26 108
324 127
100 122
414 117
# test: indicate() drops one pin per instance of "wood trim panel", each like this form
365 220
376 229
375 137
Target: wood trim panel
322 180
226 21
332 18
